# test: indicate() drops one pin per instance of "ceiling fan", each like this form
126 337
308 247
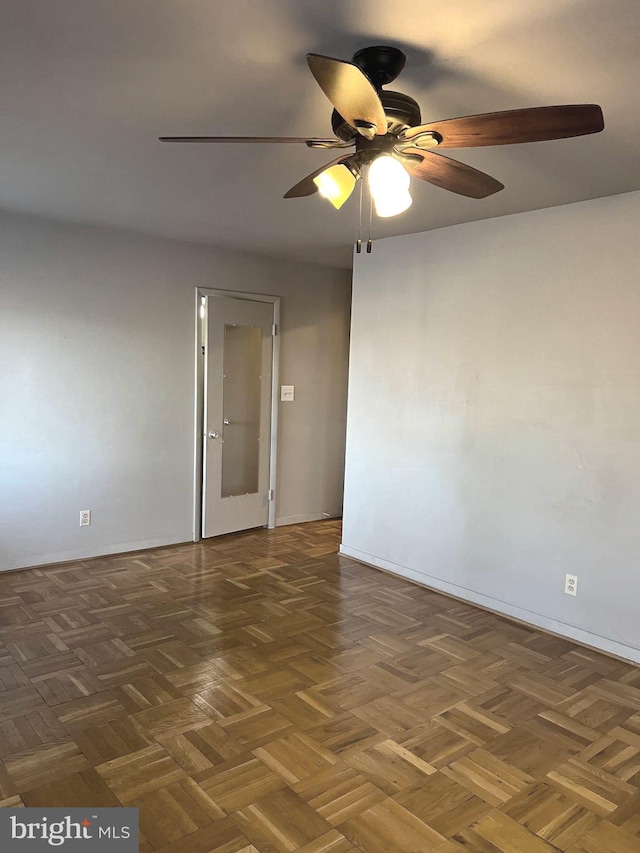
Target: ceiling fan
386 133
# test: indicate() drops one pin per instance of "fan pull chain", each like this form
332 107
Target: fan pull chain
359 240
369 241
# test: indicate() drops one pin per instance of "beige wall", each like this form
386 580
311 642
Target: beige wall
96 385
493 439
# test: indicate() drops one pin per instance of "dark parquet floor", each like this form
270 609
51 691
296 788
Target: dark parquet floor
260 693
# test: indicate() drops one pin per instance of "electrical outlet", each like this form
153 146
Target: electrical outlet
571 584
85 517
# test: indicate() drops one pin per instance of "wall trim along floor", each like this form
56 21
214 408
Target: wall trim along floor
502 608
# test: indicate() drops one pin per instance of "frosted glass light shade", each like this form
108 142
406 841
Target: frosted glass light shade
389 183
336 184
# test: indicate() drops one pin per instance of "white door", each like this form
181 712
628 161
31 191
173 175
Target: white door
237 415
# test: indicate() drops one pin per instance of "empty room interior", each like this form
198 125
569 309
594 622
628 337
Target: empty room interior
320 425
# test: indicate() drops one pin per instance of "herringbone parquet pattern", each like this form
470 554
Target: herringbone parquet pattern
259 693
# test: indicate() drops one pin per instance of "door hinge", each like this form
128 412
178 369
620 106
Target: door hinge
274 330
271 495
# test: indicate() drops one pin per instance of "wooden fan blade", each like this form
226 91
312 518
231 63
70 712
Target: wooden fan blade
513 126
451 175
250 139
350 92
306 185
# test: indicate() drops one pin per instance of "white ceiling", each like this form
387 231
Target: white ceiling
87 86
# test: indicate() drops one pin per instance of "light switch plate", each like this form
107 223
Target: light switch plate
287 393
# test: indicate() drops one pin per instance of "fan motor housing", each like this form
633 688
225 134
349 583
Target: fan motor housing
401 112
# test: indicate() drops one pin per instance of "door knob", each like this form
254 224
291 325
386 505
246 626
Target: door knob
214 435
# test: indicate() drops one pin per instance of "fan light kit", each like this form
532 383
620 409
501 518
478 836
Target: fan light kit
336 184
389 185
385 130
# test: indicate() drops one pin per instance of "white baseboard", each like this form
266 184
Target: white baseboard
529 617
47 559
311 516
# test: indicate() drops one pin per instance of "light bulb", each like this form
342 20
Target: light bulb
336 184
389 183
392 206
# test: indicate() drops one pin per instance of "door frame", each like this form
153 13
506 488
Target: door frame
198 433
